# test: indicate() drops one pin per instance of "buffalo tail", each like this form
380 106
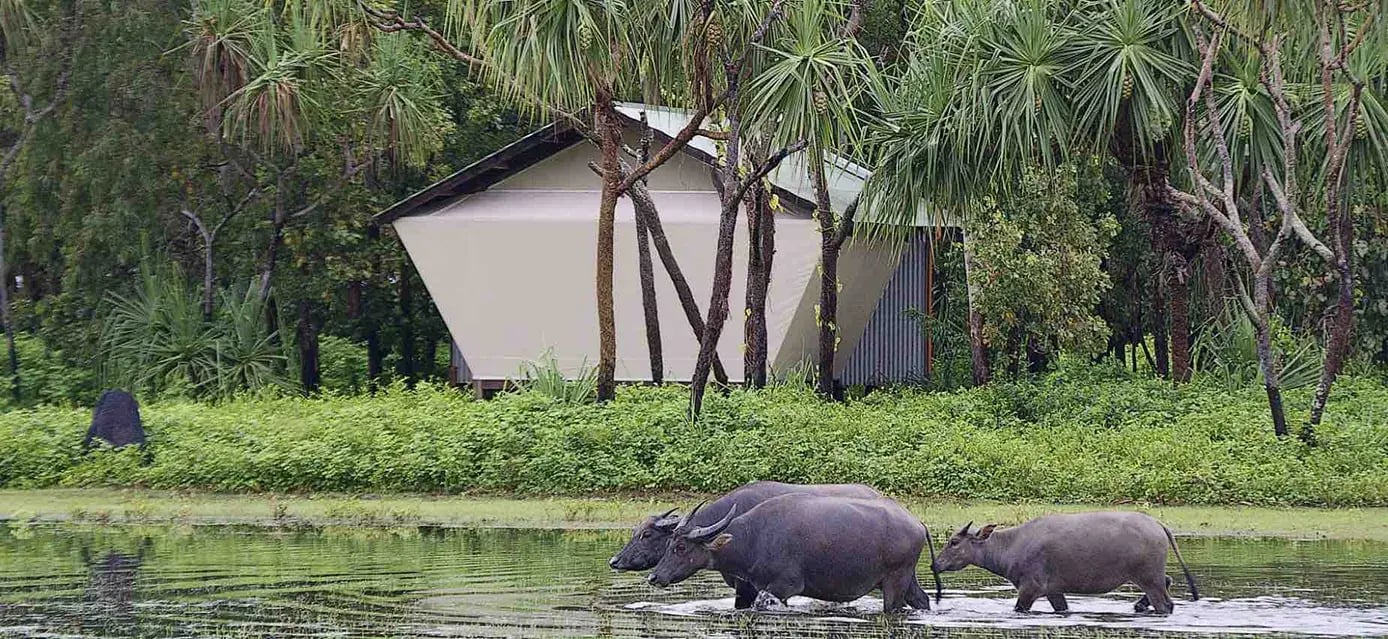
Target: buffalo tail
939 587
1190 580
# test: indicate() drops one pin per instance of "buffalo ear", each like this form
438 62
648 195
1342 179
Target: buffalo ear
719 542
986 531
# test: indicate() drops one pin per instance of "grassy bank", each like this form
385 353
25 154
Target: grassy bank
1062 440
106 506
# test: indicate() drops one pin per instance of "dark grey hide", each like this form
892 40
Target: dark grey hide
1083 554
116 421
827 548
651 537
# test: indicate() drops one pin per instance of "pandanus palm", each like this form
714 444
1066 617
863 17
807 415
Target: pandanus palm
1110 76
982 96
812 74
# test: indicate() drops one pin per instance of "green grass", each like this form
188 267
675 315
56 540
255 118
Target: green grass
1073 437
109 506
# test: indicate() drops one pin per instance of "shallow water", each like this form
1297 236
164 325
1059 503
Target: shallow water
163 582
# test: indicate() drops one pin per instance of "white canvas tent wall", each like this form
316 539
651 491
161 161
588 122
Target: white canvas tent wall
507 249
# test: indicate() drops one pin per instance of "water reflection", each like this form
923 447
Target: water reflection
110 592
507 583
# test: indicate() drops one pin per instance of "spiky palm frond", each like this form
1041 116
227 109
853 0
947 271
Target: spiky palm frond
220 37
277 105
1130 72
17 21
400 92
811 81
551 54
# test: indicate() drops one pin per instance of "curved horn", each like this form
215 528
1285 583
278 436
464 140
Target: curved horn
667 513
965 529
689 518
709 532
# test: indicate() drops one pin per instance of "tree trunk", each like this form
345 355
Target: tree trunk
978 350
5 317
609 129
1037 360
1179 287
648 300
717 306
1336 347
1160 328
267 269
641 199
375 357
407 367
1267 365
758 281
828 276
308 348
208 280
431 352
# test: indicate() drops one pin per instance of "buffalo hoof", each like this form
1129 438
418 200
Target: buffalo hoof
766 601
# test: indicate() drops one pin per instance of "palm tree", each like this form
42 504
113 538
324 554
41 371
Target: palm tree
996 85
558 58
280 84
982 97
814 72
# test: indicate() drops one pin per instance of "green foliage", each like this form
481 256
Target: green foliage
1225 353
47 377
342 363
1040 261
1074 436
156 341
545 378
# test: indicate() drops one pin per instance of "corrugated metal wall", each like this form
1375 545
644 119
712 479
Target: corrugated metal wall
892 350
460 372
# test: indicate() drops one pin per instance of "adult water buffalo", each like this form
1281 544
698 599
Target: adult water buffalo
828 548
651 537
1084 553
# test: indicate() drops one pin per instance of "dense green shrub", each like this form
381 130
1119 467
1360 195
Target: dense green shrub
1066 438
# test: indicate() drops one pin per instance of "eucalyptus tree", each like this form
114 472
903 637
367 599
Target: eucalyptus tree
813 73
1250 164
297 99
32 37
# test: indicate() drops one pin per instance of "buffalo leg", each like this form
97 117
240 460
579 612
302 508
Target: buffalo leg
1157 596
783 589
915 596
1026 597
746 594
1144 603
895 590
1058 602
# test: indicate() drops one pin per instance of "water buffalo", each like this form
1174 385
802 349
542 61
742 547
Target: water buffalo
828 548
650 537
1084 553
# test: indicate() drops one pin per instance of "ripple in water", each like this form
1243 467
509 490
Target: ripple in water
66 582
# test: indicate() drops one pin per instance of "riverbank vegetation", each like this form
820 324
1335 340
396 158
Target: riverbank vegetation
1072 437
